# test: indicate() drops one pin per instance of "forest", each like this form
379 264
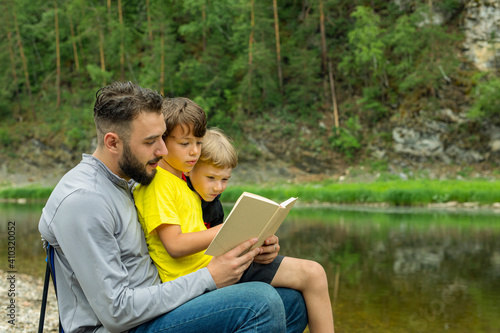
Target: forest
313 81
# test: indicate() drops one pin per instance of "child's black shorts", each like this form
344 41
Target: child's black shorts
260 272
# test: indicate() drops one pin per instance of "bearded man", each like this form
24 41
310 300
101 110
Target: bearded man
106 281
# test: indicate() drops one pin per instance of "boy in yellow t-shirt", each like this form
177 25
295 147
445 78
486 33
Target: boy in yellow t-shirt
166 205
171 214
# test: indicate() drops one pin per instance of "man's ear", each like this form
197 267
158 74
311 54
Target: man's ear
112 142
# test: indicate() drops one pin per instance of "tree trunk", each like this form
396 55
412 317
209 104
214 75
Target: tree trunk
148 13
324 56
250 53
73 42
108 5
12 58
162 61
58 57
122 43
101 52
25 65
334 98
204 23
324 60
431 56
278 50
14 73
82 50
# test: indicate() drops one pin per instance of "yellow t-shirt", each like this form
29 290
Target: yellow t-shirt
168 200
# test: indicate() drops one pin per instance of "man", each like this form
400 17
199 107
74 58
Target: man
105 278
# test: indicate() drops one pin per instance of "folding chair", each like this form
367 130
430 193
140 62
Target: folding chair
49 271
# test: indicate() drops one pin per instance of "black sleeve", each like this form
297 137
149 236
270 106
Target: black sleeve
213 213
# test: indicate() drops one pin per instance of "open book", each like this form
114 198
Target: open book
253 216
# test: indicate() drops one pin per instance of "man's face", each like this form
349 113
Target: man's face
208 180
144 149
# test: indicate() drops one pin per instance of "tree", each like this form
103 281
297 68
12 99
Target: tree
24 62
122 43
58 56
278 50
250 51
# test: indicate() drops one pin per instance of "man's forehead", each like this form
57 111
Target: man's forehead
148 124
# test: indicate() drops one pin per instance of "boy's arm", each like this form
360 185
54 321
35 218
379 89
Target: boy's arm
179 244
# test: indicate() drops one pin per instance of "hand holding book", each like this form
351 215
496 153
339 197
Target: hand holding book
252 216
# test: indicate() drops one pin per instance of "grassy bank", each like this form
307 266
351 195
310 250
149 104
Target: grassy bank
395 192
28 192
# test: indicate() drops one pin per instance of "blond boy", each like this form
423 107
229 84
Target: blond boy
209 178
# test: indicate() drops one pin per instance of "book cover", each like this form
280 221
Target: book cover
252 216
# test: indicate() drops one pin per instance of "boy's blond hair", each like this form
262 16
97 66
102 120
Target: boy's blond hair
184 112
217 149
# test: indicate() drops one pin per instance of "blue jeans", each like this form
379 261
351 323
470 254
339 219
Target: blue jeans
245 307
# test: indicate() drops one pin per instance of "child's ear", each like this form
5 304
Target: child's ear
112 142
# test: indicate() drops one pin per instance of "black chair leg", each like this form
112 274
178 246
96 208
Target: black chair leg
44 299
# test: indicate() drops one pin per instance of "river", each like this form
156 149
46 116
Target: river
390 270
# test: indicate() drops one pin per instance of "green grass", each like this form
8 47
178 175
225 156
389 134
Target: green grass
29 192
394 192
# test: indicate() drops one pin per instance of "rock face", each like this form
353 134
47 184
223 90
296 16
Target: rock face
481 27
482 33
427 140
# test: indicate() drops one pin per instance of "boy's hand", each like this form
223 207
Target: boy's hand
269 251
228 268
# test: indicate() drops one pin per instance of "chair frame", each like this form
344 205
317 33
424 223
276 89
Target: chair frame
49 272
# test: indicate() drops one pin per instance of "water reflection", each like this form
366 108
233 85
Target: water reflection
395 270
404 270
29 258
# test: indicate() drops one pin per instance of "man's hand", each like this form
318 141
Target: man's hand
228 268
269 251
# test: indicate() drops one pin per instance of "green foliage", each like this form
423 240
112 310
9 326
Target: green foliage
202 50
5 137
346 140
29 192
371 103
487 102
366 57
97 75
393 192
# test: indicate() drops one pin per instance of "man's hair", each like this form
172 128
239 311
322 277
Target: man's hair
118 104
218 150
184 112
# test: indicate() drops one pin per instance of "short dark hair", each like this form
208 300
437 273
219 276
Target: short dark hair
183 111
118 104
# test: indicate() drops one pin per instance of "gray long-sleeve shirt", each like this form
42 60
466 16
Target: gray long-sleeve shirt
106 280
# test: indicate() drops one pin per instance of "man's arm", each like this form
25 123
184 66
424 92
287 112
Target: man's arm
120 299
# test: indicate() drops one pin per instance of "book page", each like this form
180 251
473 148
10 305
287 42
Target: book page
277 219
248 218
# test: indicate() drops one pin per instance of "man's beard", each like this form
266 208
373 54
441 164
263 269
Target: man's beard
132 167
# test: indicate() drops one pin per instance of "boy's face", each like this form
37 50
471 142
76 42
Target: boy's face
209 181
183 150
